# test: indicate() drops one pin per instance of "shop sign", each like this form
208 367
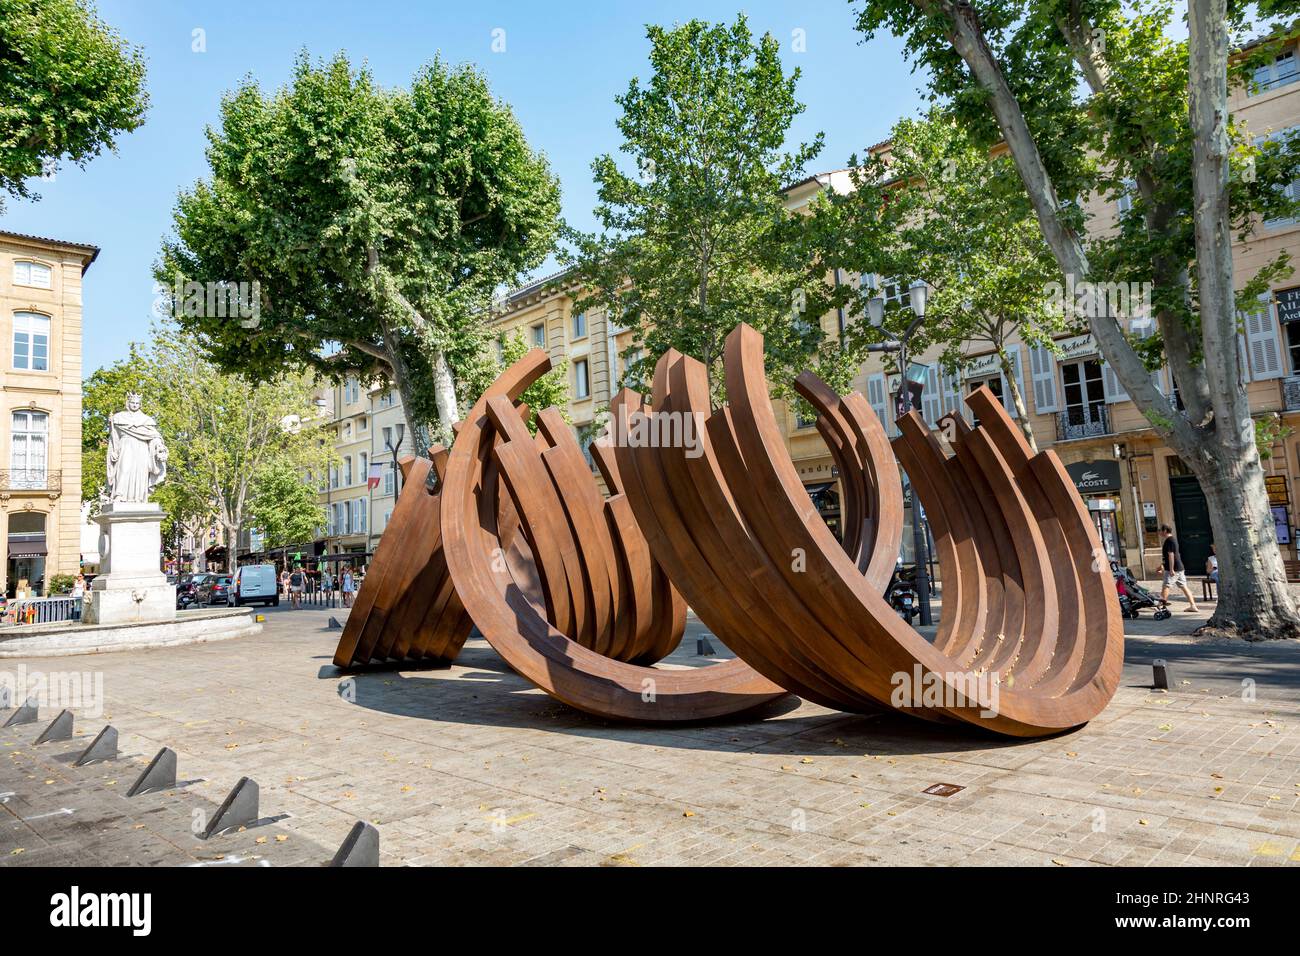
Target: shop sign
1076 347
1288 304
983 367
1095 477
1278 494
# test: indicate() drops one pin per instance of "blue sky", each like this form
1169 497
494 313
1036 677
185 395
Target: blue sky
562 66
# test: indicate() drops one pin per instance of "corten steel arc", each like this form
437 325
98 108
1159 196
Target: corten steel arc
1031 642
406 609
609 595
492 457
569 590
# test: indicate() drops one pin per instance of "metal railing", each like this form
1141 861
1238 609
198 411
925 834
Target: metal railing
1088 421
47 610
319 598
30 479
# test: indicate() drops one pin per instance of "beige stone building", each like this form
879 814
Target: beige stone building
40 378
346 497
594 350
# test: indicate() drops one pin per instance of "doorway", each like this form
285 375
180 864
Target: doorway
1191 522
25 565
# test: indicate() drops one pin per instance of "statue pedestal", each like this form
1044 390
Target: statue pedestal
131 587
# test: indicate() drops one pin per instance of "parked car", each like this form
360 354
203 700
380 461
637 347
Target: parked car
187 589
215 590
256 582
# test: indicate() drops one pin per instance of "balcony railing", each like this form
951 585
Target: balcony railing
30 479
1089 421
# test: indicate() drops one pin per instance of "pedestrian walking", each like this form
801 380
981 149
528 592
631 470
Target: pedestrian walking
349 584
297 585
1172 562
327 585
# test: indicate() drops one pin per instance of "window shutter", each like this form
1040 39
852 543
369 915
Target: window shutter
1042 369
1114 391
876 398
1262 344
932 398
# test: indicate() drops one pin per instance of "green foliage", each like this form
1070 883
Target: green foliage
694 240
284 506
376 221
939 208
69 86
61 583
552 389
1270 430
1117 128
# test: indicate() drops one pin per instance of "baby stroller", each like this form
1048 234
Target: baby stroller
1134 598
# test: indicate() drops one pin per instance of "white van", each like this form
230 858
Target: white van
256 582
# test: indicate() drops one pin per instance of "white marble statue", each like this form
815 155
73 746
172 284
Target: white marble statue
137 457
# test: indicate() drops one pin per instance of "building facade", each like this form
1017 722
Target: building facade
40 385
1131 481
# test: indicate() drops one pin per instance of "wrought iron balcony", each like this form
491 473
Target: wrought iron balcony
30 479
1090 421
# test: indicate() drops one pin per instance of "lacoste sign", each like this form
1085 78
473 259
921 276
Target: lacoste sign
1095 477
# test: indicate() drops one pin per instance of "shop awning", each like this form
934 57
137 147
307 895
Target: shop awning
817 492
27 547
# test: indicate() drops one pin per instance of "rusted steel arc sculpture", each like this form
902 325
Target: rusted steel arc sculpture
407 608
574 591
1032 607
513 624
584 558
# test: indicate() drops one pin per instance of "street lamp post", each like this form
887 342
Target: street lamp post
898 345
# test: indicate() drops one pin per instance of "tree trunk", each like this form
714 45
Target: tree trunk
444 396
1253 594
1254 598
232 546
417 432
1017 399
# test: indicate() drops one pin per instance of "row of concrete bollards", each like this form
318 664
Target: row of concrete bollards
239 809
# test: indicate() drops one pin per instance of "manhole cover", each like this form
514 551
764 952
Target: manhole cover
942 789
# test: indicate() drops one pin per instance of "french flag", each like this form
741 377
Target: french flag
372 480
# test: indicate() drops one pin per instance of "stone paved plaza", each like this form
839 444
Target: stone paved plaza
469 765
